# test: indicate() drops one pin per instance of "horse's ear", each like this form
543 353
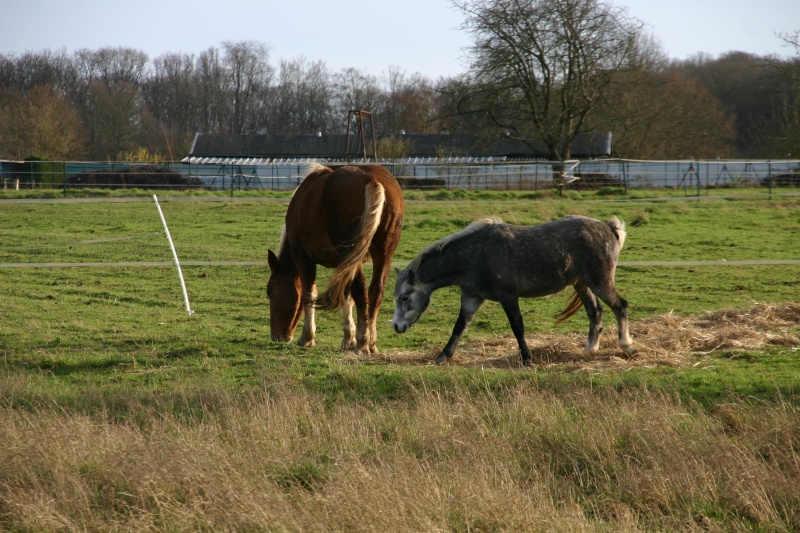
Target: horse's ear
272 260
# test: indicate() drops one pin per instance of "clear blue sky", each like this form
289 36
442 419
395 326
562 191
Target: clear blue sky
412 35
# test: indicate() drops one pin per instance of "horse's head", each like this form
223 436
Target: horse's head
411 300
283 291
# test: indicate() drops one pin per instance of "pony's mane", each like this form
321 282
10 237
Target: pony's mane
440 244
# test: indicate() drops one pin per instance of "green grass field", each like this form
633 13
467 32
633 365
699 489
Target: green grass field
109 355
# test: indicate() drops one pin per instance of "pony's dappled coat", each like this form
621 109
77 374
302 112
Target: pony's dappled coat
490 260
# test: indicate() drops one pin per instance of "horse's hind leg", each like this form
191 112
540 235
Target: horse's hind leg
511 307
348 326
595 313
608 293
625 340
358 292
381 265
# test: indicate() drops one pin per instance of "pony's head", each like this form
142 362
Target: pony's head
283 291
411 300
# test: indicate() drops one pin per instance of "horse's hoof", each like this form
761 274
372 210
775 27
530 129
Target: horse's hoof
348 346
629 349
305 343
590 351
441 359
362 351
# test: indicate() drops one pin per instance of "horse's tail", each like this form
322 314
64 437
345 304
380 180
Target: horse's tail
618 227
574 304
336 295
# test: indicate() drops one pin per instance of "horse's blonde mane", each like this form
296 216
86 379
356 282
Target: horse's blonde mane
282 240
440 244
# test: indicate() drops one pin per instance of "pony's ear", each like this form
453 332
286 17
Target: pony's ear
272 260
410 277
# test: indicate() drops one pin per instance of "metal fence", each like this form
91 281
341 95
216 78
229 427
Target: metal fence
441 173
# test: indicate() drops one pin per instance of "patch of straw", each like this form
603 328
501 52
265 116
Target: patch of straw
662 340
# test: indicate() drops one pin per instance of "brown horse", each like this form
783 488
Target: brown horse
338 219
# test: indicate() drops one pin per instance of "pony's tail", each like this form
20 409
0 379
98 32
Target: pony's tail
618 227
336 295
572 307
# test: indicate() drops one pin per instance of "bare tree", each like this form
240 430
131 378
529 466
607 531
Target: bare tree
35 69
541 66
249 74
355 90
655 112
739 81
211 85
411 104
106 94
171 100
782 135
301 100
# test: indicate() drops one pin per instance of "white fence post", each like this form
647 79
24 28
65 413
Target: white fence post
174 255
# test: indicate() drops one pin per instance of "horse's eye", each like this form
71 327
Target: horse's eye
405 297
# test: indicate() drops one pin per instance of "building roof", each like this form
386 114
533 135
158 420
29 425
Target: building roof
219 148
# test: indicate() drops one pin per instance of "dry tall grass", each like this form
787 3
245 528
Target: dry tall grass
521 459
524 460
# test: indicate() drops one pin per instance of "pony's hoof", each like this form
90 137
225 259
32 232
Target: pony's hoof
441 359
629 349
590 351
348 346
305 343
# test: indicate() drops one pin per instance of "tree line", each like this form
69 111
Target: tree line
540 70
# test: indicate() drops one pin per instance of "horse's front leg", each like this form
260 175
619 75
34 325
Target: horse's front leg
308 297
469 306
380 273
510 305
358 292
309 323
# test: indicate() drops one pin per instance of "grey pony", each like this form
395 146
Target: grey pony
490 260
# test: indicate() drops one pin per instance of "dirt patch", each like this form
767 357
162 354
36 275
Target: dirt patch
662 340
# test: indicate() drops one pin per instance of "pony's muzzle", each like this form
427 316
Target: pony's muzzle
400 328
